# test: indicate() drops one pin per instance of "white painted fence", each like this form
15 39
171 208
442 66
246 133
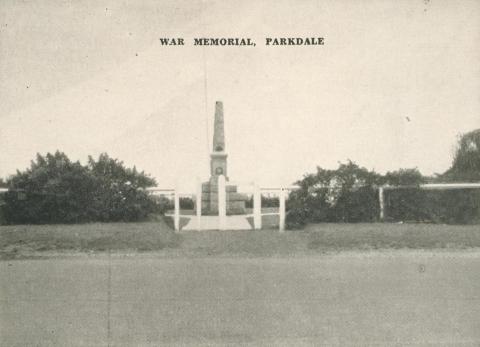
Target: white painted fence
257 205
176 201
281 191
222 203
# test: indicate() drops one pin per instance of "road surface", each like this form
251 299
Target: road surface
374 298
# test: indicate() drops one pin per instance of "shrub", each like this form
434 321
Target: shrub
3 184
407 201
57 190
267 201
120 192
452 206
52 190
164 204
347 194
350 194
459 206
186 203
3 220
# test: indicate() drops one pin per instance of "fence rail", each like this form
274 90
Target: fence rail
222 225
429 186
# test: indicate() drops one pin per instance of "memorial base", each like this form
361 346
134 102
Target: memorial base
235 202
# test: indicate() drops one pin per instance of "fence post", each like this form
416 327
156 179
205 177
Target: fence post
381 200
282 210
199 203
176 217
257 208
222 208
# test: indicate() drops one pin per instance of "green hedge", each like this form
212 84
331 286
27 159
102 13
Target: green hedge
2 213
453 206
350 194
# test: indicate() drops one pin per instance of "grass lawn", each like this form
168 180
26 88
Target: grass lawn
27 240
321 238
37 240
379 235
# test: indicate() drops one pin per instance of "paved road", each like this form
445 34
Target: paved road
346 299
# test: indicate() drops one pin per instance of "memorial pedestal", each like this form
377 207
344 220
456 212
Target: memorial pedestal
235 202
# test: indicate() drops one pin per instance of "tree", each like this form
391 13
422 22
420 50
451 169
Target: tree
3 184
459 205
466 162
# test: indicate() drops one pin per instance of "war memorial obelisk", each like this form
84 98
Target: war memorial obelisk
218 166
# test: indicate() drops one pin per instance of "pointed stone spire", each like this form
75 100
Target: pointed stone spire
218 130
235 202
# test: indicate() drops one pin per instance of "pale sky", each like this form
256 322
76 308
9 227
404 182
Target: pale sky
393 86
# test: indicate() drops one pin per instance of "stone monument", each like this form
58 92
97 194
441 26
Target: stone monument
218 166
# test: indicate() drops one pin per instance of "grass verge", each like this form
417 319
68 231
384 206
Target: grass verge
392 236
21 240
30 240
